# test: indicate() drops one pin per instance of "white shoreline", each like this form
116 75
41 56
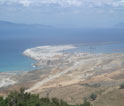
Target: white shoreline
6 82
6 79
46 52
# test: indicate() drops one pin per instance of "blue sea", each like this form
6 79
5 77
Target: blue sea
105 47
12 47
11 58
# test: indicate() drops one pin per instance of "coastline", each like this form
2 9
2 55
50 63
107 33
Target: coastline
44 52
67 72
47 57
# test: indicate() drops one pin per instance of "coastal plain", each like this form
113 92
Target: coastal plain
72 76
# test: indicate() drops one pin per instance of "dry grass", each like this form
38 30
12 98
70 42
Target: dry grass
114 97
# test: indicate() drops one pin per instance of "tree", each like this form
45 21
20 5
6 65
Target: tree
122 86
23 98
2 102
93 96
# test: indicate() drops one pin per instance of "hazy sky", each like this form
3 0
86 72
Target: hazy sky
69 13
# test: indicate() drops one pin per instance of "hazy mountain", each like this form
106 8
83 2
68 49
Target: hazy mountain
46 33
9 29
10 25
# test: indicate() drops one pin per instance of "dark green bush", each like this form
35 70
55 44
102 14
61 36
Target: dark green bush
93 96
23 98
122 86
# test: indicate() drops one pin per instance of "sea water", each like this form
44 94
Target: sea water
105 47
11 57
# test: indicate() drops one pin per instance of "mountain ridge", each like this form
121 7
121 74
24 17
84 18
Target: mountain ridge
7 24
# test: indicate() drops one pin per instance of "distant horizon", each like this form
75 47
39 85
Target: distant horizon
119 25
64 13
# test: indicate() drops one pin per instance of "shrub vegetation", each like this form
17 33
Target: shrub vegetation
93 96
23 98
122 86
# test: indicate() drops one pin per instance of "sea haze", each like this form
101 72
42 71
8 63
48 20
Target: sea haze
15 38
